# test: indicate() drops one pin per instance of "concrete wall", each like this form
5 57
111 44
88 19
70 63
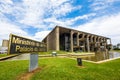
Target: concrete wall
5 43
90 42
52 40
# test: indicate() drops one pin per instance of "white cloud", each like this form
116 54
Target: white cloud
46 14
56 3
41 35
35 11
99 5
64 9
54 21
68 22
6 1
108 26
32 13
72 21
8 7
29 13
7 28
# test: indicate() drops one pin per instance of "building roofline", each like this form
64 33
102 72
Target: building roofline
73 30
82 32
50 32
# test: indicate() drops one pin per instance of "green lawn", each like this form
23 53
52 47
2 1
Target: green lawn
66 69
9 70
117 51
62 69
3 55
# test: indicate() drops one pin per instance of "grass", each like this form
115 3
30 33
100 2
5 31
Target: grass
66 69
116 51
62 69
3 55
9 70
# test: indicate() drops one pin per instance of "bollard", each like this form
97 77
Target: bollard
79 61
54 54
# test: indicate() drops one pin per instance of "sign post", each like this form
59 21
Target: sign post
33 62
79 61
19 45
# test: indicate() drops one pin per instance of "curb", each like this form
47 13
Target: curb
7 57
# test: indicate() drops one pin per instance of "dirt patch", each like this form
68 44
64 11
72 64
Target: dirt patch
81 66
27 75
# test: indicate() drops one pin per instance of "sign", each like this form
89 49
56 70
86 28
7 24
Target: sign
33 62
19 44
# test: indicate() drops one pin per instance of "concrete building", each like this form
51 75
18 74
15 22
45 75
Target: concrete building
4 47
5 43
61 38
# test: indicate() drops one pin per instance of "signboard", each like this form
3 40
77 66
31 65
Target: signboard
33 62
19 44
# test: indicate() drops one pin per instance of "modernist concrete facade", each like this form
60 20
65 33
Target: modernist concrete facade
5 43
61 38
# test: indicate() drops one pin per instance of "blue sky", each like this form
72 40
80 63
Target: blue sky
36 18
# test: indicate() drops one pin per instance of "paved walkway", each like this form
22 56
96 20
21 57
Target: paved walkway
27 56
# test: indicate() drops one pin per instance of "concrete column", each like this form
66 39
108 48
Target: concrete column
91 38
110 41
88 44
110 44
83 36
105 43
98 43
92 44
78 38
57 38
104 40
100 40
95 45
95 39
47 43
71 41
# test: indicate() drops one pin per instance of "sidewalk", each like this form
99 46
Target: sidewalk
7 57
